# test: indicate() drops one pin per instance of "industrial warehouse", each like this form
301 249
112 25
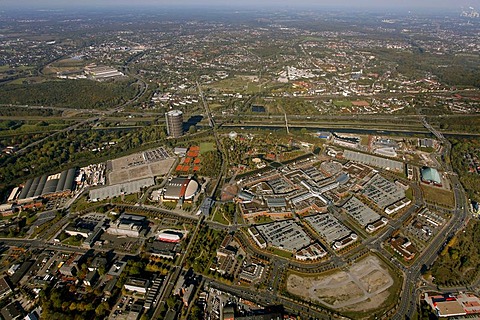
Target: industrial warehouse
59 184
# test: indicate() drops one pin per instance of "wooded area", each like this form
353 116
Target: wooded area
459 262
66 150
459 124
463 152
81 94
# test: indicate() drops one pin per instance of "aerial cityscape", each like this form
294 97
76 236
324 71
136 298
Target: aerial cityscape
215 160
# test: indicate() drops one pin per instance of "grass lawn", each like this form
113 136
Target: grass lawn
237 84
207 146
218 217
438 196
409 194
282 253
131 197
263 219
340 103
73 241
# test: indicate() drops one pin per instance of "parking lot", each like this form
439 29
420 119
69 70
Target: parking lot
383 192
328 227
286 234
128 307
154 162
362 214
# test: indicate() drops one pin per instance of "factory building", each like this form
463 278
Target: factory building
59 184
174 119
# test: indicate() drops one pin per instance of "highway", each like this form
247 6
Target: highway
140 93
218 142
409 298
37 243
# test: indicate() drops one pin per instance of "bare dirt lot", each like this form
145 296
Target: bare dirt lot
364 286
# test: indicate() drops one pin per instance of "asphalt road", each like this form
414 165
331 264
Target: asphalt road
409 298
267 298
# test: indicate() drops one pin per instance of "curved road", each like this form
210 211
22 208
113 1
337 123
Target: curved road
409 298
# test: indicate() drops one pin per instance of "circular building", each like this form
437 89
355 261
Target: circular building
174 119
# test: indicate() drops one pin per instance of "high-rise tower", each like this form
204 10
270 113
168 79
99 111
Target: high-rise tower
174 120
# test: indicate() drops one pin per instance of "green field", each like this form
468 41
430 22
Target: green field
218 217
340 103
236 84
438 196
73 241
206 147
282 253
263 219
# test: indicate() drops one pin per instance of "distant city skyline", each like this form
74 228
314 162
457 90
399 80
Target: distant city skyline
377 4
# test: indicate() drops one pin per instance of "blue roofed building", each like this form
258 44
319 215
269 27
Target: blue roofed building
431 176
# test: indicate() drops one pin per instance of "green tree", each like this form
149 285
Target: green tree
102 308
192 129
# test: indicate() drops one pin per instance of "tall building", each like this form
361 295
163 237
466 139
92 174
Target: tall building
174 120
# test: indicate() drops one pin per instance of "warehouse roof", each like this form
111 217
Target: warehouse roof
48 184
119 189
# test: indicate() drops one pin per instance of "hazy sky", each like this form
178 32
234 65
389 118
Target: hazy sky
242 3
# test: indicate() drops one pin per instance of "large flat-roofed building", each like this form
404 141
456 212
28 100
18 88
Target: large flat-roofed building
12 311
102 72
360 212
446 305
167 250
374 161
174 120
137 285
116 190
328 227
382 191
287 235
463 305
81 227
181 188
5 288
127 225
